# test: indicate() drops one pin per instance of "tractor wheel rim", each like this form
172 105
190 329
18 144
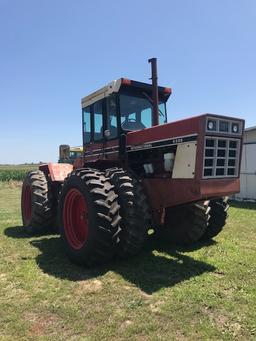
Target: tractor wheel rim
27 208
75 219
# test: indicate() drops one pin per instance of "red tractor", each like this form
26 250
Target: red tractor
137 172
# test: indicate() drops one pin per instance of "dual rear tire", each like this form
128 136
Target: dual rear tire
37 204
102 215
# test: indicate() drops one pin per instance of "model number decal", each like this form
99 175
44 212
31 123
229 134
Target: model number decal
142 146
178 140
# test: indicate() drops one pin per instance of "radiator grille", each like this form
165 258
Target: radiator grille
221 157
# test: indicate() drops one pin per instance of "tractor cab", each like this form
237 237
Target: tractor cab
120 107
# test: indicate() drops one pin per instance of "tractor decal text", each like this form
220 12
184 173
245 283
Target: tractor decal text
162 143
147 145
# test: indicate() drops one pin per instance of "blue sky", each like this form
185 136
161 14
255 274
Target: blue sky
54 52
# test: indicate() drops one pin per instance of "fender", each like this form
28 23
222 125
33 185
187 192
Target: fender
57 172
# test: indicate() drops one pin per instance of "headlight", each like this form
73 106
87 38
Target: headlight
211 125
235 128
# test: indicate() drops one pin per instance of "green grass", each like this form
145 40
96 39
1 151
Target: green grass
15 172
166 293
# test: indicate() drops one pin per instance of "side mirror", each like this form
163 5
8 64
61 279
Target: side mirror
107 133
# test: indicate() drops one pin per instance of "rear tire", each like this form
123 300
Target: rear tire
89 217
37 208
134 211
217 219
185 224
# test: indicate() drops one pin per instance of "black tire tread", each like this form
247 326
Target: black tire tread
134 211
107 212
219 214
185 224
43 213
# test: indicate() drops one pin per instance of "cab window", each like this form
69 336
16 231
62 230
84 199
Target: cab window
87 125
136 112
98 120
162 113
112 116
146 117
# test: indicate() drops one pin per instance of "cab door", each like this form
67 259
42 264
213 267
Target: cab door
100 130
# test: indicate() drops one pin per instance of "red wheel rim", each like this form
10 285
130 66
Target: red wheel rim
75 218
27 208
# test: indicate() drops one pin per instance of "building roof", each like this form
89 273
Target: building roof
250 128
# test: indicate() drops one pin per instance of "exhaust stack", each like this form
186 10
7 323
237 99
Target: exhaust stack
155 114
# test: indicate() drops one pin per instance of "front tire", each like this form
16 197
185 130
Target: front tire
185 224
219 214
37 207
89 217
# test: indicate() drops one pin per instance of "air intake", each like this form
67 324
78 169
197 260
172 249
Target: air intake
221 157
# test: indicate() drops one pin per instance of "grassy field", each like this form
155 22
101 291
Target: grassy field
166 293
15 172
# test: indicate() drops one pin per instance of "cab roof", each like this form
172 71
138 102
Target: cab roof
76 149
115 86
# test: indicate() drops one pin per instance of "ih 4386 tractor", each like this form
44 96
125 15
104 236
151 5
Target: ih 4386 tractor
137 172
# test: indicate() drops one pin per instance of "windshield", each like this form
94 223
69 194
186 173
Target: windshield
74 155
136 112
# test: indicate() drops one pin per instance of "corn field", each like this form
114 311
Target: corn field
15 173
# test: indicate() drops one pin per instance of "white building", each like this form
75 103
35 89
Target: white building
248 166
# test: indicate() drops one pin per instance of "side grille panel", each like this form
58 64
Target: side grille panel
221 157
